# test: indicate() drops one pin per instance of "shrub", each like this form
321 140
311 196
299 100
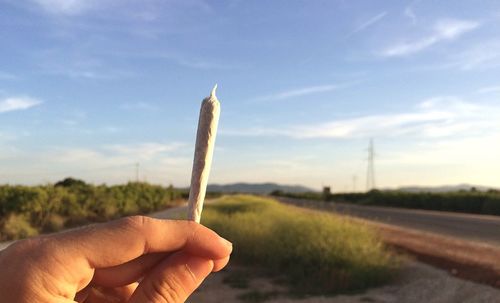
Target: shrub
316 252
54 223
491 206
72 202
17 227
70 182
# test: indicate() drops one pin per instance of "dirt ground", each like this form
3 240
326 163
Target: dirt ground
467 260
417 283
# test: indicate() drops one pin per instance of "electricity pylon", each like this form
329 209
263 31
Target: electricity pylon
370 174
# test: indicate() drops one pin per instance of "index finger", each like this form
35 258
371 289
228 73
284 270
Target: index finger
120 241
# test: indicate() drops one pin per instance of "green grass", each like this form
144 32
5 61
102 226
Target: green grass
315 252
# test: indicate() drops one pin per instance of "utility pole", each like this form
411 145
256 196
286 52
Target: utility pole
137 172
354 180
370 174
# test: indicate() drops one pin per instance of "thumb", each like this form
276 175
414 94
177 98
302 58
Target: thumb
173 280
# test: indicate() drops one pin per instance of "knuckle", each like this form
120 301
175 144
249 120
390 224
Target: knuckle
137 225
168 290
134 222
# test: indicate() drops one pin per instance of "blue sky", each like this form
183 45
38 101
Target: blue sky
89 88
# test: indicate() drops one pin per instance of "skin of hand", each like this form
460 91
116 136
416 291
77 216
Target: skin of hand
135 260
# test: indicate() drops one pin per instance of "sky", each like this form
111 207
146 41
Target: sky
90 88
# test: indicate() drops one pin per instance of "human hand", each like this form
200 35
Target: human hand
104 262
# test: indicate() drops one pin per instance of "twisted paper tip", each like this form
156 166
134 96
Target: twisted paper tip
212 94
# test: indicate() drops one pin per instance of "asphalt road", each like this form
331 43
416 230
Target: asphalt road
481 228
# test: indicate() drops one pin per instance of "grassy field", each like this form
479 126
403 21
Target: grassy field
313 252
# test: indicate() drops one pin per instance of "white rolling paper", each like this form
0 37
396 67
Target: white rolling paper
205 142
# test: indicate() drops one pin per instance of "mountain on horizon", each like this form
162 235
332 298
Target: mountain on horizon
256 188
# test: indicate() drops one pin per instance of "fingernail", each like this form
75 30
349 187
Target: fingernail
227 243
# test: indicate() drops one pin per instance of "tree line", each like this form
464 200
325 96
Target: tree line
29 210
473 201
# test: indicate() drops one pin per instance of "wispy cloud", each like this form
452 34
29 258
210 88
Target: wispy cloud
432 118
5 137
184 60
90 74
77 65
17 103
141 10
66 7
298 92
489 89
115 153
443 30
74 118
144 106
370 22
203 64
142 151
7 76
159 162
471 160
408 12
95 164
485 55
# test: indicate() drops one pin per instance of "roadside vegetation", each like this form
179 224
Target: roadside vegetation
29 210
312 252
473 201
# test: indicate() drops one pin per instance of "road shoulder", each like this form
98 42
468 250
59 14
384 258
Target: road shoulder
465 259
416 283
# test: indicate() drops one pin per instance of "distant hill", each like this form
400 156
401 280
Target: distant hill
257 188
442 189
